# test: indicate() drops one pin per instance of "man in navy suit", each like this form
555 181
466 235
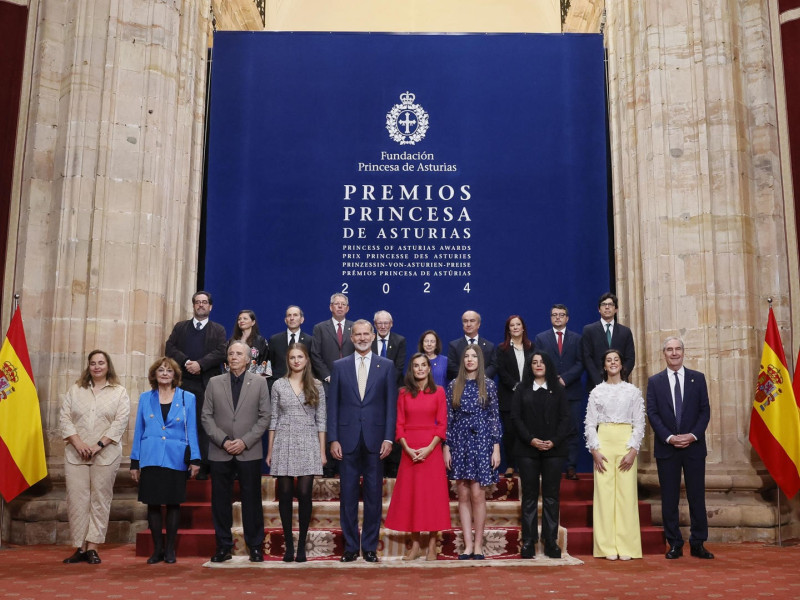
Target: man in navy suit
564 346
362 411
279 343
602 335
471 322
678 409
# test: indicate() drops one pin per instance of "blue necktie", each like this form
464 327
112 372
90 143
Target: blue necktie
384 343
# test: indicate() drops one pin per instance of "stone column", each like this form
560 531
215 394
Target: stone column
106 255
698 215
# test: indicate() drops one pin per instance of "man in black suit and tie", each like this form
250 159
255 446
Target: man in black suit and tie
279 343
362 412
602 335
471 322
198 345
679 411
392 346
564 346
331 341
235 414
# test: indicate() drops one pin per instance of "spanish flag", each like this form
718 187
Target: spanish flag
22 460
775 417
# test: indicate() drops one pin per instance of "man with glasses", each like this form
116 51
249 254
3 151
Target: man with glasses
564 346
331 341
602 335
198 346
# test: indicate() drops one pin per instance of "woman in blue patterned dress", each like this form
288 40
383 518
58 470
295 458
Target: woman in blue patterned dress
472 448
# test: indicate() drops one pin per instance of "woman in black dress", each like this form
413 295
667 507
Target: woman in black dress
541 417
164 452
246 330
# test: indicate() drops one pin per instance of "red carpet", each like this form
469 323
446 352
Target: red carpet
740 571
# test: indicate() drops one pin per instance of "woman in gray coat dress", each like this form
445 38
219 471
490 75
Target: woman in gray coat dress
296 443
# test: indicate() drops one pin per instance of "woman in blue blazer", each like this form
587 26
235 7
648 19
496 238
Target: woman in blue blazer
165 452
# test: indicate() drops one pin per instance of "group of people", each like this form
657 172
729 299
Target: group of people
301 404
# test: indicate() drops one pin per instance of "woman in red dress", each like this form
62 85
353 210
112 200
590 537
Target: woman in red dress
421 498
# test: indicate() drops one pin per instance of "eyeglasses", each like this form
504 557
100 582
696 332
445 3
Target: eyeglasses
201 302
608 304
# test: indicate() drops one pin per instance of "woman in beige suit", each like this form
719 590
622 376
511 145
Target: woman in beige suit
94 415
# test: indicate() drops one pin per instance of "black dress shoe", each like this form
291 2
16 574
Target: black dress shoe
221 555
301 554
699 551
76 557
466 556
674 552
348 556
256 555
370 556
571 474
156 557
92 557
169 555
551 550
528 550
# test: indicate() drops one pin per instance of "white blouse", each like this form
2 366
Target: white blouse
615 403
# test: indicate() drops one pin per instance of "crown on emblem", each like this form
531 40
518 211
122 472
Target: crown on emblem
407 98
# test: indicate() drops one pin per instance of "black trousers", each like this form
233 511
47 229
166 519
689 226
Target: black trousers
530 470
222 476
198 388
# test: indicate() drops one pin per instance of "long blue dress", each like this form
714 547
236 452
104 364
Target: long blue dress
472 431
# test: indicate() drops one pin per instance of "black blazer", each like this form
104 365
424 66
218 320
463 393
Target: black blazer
395 352
325 347
457 347
569 363
594 344
542 414
214 347
279 346
508 375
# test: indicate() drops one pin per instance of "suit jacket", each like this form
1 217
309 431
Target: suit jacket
214 347
279 346
92 417
508 375
349 417
569 363
159 443
542 414
395 352
247 423
457 347
595 343
325 347
695 412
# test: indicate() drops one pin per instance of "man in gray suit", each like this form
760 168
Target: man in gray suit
235 415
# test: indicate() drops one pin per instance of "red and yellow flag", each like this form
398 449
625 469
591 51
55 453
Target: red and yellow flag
775 418
22 459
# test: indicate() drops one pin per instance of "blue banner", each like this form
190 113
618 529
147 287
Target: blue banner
421 174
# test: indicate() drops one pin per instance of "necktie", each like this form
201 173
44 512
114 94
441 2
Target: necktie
198 326
383 347
678 401
362 377
608 334
339 337
560 335
291 341
471 341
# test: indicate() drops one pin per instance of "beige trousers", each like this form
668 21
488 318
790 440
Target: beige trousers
90 489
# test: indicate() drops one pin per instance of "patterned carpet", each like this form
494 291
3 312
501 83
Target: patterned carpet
740 571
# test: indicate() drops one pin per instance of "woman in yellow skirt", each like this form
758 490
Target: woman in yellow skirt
614 431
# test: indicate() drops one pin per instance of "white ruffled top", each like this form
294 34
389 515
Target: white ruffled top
615 403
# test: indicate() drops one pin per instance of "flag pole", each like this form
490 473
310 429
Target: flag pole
14 306
777 487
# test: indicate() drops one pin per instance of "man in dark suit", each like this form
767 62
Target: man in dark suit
198 345
391 345
602 335
235 414
279 343
471 322
564 346
362 412
331 341
679 411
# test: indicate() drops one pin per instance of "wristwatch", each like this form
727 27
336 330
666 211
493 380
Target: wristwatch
101 444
